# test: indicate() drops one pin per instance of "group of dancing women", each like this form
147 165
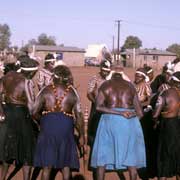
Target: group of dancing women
38 131
156 153
132 125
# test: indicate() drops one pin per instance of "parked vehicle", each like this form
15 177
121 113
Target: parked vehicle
91 62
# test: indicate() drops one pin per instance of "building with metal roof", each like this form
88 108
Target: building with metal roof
71 56
152 57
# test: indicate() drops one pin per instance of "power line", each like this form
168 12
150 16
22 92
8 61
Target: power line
101 22
153 25
113 50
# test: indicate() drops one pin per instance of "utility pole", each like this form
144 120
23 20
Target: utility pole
22 43
113 50
118 40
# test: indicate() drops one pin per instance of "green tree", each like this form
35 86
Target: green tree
5 35
13 49
132 42
174 48
43 39
32 42
25 48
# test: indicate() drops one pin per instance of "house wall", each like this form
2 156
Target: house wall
73 58
157 64
69 58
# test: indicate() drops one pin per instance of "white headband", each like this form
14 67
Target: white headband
146 77
124 76
175 78
108 64
170 71
170 65
151 70
50 60
106 69
110 75
56 76
139 72
27 69
18 62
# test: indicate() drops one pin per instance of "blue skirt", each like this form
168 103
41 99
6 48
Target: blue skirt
56 144
119 143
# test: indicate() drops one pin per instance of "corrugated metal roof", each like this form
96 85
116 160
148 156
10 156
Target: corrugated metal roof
150 52
58 48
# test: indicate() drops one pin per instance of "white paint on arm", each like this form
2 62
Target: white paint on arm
30 94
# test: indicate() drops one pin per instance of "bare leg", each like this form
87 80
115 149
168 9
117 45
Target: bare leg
66 173
14 172
26 172
45 173
100 173
132 173
162 178
4 170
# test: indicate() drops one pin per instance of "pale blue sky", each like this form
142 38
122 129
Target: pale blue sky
81 22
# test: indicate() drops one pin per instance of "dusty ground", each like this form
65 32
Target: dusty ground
81 77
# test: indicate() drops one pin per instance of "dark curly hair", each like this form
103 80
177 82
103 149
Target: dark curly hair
48 56
9 67
63 74
177 74
28 62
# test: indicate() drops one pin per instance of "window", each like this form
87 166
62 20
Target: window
59 56
145 57
155 58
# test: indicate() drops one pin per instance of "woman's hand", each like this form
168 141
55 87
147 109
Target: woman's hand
2 117
128 114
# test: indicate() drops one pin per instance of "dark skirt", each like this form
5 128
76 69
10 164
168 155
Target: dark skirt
56 145
3 129
19 137
151 143
93 122
169 147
